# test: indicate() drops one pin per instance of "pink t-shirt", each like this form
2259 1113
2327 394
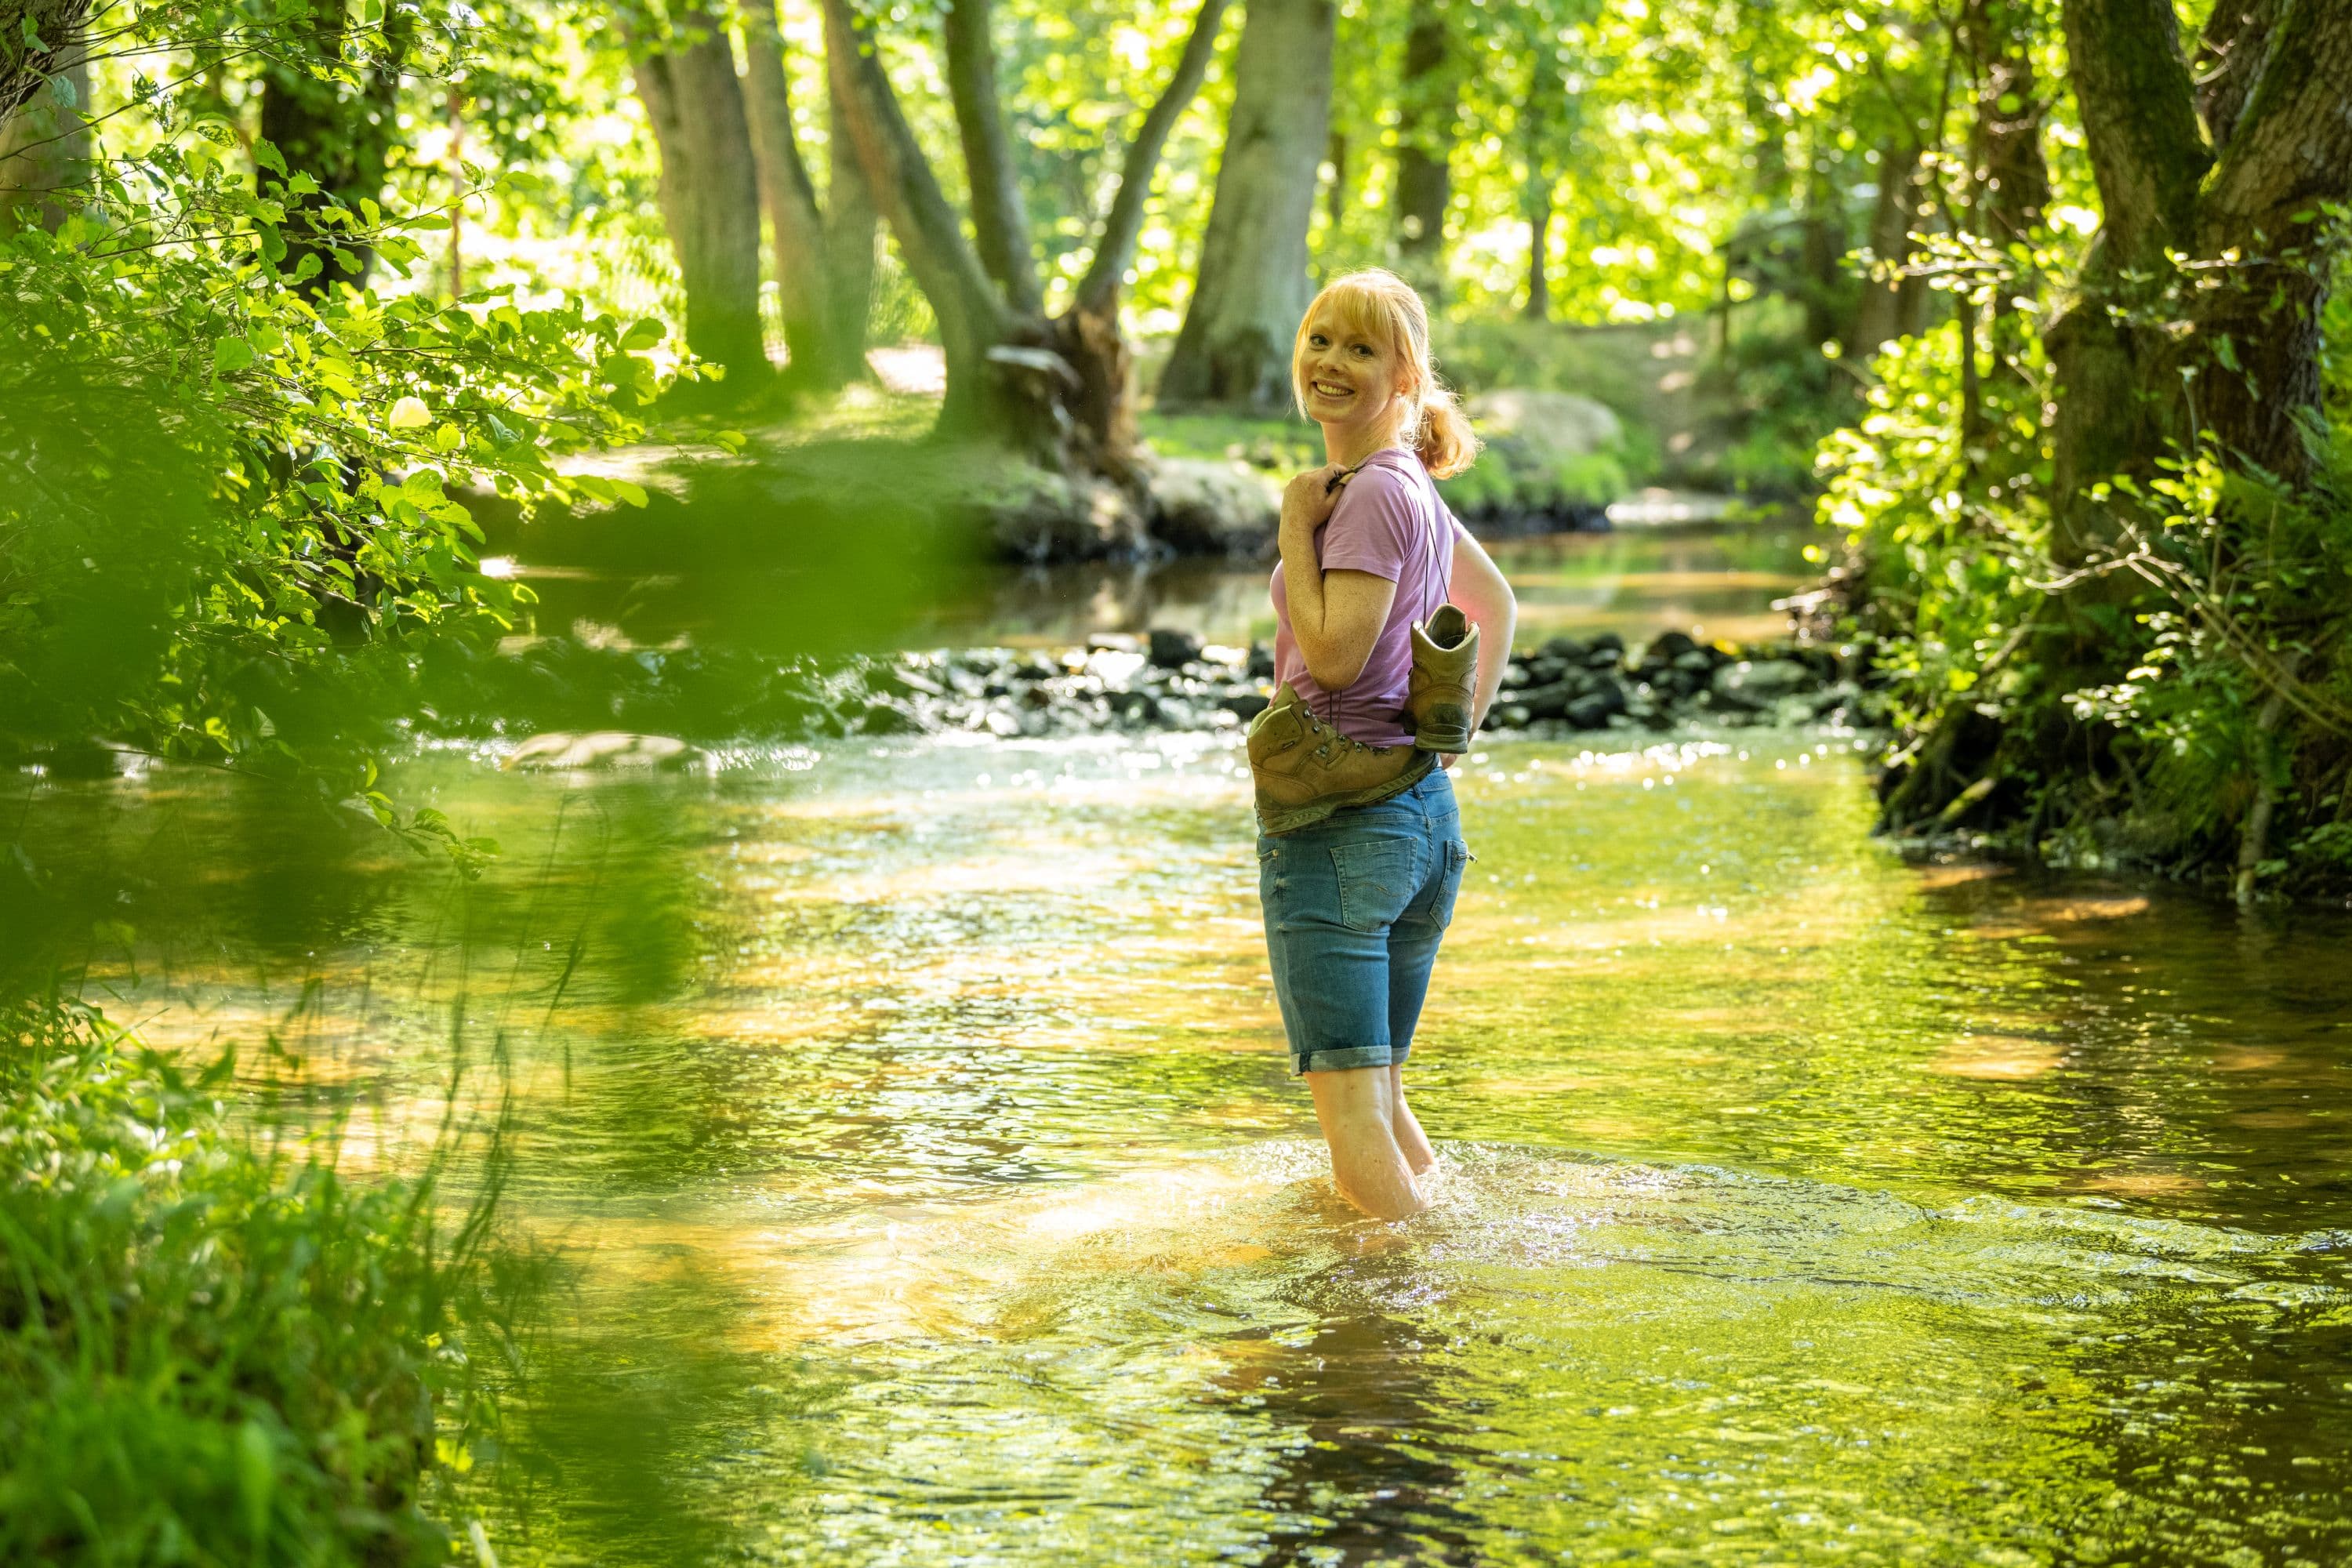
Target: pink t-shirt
1389 521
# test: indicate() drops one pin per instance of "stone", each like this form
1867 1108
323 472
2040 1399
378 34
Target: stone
1245 705
1170 649
567 751
1669 647
1546 701
1758 684
1595 707
1199 506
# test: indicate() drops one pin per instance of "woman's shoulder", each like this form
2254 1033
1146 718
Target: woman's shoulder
1390 477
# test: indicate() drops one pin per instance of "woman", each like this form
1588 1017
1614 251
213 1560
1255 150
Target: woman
1357 902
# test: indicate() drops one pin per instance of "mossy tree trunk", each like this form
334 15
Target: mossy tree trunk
2227 176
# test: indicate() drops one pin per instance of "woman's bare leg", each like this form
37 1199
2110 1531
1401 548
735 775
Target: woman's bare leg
1412 1142
1358 1109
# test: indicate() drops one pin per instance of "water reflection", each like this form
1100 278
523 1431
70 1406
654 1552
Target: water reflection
923 1182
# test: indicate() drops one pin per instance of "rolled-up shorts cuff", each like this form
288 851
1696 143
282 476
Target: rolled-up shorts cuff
1349 1059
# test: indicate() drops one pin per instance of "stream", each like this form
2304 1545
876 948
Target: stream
904 1134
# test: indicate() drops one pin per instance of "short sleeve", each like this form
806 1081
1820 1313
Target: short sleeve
1373 525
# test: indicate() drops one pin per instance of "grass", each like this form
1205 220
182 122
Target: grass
214 1347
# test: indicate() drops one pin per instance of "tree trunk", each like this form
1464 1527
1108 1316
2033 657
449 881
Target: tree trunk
1822 247
851 229
1252 286
1428 104
45 142
786 192
999 219
340 132
2010 178
1895 307
1538 206
710 190
2247 371
2010 172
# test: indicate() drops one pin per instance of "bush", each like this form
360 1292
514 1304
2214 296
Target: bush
212 1349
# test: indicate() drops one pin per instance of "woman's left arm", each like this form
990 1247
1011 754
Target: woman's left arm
1480 588
1335 616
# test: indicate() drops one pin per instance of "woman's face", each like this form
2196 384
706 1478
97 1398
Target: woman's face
1351 378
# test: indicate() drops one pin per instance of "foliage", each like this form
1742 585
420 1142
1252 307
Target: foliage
214 1347
235 480
2227 603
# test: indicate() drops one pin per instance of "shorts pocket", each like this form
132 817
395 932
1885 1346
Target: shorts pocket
1377 880
1449 883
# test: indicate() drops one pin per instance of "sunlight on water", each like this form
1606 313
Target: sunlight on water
908 1132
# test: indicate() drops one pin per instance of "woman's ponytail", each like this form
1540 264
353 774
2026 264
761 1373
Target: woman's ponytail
1444 441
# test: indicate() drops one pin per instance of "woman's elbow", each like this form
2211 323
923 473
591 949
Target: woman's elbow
1332 673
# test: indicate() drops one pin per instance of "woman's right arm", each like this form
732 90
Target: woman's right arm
1479 588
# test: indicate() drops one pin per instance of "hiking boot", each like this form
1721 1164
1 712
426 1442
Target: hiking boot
1441 693
1305 770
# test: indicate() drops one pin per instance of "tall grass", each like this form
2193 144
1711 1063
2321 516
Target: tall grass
214 1348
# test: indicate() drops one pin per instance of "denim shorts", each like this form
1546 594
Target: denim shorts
1355 906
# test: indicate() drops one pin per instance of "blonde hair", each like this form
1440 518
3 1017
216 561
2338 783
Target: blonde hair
1379 304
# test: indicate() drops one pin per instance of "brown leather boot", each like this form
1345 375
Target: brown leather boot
1442 690
1305 770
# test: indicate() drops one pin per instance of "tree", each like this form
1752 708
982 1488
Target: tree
1235 346
1428 106
710 188
2197 311
1056 387
329 106
44 137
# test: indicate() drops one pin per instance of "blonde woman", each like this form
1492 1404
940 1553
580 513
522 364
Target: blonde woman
1358 894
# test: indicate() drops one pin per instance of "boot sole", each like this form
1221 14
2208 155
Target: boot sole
1453 742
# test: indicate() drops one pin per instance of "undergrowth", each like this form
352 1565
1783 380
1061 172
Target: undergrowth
216 1347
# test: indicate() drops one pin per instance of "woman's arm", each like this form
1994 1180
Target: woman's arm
1487 600
1335 616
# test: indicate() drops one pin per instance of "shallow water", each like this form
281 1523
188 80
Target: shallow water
911 1131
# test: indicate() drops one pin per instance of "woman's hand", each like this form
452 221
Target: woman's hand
1306 503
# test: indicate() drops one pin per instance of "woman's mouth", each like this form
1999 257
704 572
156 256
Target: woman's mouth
1330 389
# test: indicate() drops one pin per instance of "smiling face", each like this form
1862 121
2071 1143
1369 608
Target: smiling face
1348 374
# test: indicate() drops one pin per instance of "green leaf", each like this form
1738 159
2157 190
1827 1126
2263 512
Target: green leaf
644 334
231 356
631 493
410 413
265 156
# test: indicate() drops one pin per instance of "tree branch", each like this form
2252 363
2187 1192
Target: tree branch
998 216
973 314
1115 245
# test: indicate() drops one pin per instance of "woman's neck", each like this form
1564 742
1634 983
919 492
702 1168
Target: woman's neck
1349 445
